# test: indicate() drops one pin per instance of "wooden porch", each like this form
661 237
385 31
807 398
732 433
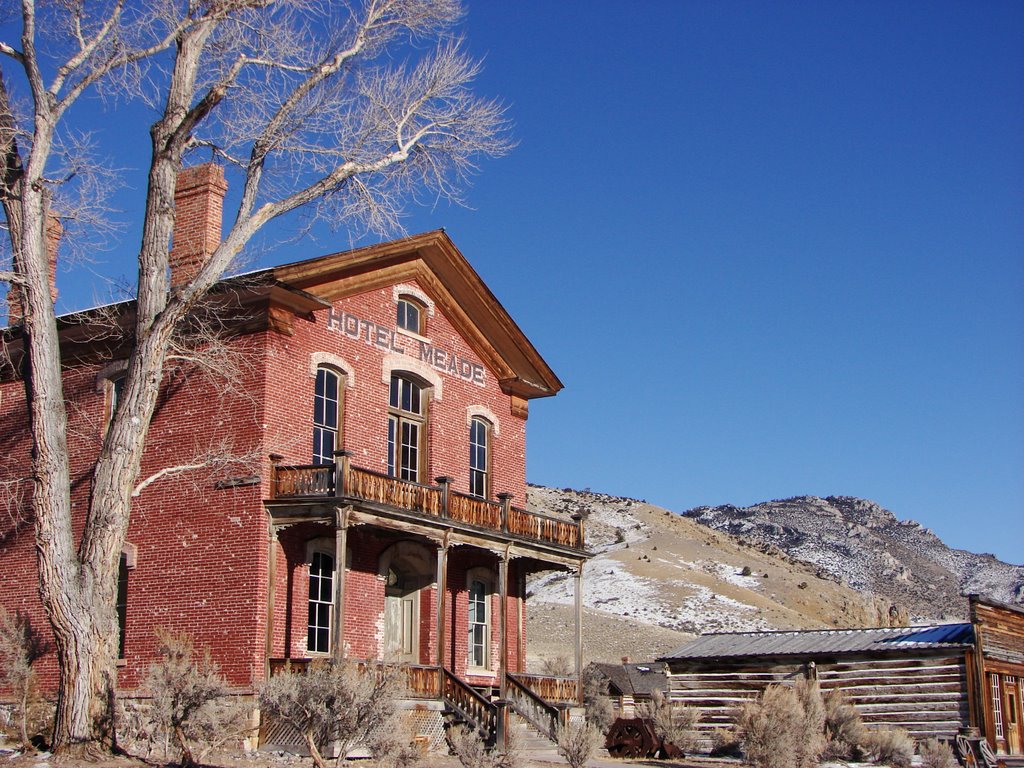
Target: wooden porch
541 700
345 483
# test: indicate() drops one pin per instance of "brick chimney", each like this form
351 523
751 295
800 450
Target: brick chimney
198 203
53 234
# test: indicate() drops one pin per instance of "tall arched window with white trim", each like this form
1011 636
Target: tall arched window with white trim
479 457
327 399
407 428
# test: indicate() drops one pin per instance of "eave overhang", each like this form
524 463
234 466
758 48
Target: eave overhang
433 262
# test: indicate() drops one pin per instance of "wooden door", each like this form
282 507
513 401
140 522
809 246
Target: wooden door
401 620
1012 720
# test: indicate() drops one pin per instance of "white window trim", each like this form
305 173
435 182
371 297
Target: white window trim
406 289
338 364
485 575
486 414
398 364
325 545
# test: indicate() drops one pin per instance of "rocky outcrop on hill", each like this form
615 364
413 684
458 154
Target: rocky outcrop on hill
858 543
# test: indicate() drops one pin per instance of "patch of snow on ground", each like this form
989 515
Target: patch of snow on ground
609 587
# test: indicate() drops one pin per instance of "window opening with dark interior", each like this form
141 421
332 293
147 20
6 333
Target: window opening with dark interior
479 450
407 427
410 315
326 415
321 600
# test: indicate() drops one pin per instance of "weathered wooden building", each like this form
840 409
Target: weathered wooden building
630 684
931 680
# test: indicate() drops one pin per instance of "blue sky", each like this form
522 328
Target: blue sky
771 249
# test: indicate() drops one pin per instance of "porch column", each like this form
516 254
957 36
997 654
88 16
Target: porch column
340 549
503 620
578 590
268 641
442 589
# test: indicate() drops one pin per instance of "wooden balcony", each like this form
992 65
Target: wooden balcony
439 502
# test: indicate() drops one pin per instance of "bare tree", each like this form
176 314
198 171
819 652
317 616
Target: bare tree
308 103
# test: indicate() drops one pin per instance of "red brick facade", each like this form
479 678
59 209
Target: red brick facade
204 545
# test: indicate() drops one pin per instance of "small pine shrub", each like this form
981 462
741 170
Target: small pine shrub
746 571
891 746
936 754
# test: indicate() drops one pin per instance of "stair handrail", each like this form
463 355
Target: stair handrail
543 716
471 705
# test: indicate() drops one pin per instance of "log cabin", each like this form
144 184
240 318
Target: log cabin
937 680
372 505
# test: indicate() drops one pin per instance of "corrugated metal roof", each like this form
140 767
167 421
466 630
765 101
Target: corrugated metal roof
825 641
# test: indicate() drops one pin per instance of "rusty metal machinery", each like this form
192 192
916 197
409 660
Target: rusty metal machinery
635 737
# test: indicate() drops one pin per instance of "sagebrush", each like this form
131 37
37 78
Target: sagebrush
467 744
675 724
344 704
577 741
845 733
892 746
936 754
784 727
20 647
190 698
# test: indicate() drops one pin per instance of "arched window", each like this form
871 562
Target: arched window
407 429
327 401
321 601
479 457
409 315
479 625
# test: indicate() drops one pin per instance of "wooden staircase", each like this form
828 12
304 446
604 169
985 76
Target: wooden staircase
535 720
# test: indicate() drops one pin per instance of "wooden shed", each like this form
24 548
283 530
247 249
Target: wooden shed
931 680
631 684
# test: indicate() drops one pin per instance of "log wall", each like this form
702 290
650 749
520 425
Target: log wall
926 695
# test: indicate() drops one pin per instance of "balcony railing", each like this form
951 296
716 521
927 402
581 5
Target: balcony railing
317 481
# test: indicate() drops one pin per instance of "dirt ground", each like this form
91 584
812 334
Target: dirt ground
14 759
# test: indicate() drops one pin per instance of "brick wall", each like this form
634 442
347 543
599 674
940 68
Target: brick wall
201 548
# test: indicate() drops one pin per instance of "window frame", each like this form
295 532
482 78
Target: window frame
480 476
402 421
407 301
314 625
485 578
335 406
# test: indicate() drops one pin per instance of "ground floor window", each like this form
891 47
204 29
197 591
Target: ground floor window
997 707
122 603
321 602
479 630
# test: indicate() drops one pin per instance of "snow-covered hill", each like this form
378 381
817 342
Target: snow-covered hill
866 546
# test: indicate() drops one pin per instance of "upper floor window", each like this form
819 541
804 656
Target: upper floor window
407 429
326 415
116 390
479 457
410 315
